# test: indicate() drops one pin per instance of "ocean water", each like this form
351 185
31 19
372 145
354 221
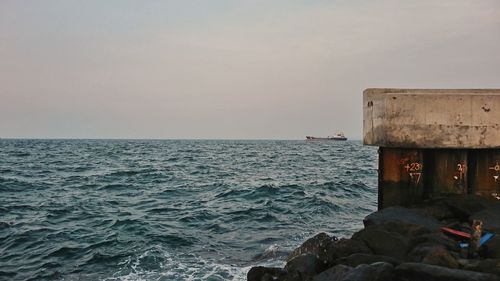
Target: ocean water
173 209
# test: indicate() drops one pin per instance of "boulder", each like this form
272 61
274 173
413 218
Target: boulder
382 242
427 272
464 207
357 259
307 265
316 245
379 271
344 248
397 243
484 265
436 210
488 266
335 273
406 229
292 276
440 256
260 273
435 254
435 238
403 219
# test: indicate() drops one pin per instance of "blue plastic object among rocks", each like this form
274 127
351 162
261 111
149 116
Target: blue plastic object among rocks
487 236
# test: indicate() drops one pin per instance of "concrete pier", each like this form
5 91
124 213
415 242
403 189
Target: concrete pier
434 142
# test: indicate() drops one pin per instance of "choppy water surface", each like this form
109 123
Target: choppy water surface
173 210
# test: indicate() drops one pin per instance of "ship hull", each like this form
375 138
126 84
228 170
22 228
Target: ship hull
309 138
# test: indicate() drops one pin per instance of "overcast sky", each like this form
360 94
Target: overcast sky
270 69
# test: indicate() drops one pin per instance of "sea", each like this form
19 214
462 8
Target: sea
173 209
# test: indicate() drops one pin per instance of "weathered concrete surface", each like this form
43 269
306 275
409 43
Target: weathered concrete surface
430 118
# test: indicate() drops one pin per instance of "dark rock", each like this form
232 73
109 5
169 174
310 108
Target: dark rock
307 265
486 265
427 272
398 234
293 276
437 210
435 238
379 271
464 207
383 242
357 259
467 264
405 218
440 256
432 254
316 245
345 248
260 273
405 229
335 273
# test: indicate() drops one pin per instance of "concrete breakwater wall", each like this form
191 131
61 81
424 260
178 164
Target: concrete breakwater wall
439 169
434 142
427 118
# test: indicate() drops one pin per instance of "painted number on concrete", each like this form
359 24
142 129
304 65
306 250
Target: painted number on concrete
414 169
461 170
495 168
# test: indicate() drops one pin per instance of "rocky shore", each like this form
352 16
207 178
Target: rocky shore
400 244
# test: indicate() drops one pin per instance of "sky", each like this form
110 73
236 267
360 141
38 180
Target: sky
229 69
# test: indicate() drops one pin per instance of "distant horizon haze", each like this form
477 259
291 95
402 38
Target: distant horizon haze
173 139
229 69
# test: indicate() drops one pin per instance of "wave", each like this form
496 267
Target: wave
66 251
212 208
163 210
158 263
124 173
272 253
232 193
116 187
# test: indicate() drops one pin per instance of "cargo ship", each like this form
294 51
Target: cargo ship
336 137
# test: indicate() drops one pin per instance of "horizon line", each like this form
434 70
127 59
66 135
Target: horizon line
176 139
